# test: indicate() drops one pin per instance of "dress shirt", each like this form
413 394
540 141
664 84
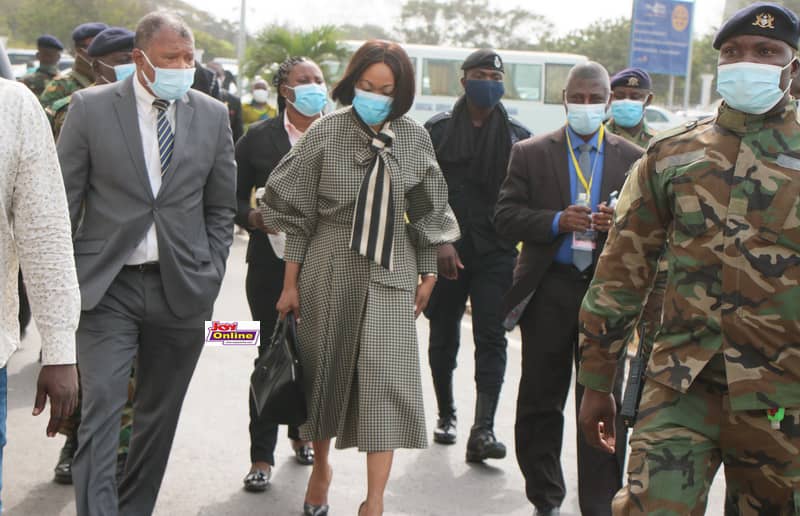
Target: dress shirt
35 230
147 250
564 254
293 132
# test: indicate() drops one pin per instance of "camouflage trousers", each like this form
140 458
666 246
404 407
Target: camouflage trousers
680 440
69 428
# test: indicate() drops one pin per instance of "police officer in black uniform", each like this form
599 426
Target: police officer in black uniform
473 143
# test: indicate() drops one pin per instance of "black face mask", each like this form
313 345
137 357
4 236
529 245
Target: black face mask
484 93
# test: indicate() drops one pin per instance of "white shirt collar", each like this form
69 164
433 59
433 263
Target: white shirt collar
144 99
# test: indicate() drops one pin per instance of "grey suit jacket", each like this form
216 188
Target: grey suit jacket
111 203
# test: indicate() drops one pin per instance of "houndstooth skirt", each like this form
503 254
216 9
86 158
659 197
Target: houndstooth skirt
357 341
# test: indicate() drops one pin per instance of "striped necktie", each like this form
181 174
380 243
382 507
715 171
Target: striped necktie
373 222
166 139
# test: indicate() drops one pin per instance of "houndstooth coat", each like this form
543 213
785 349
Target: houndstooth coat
357 335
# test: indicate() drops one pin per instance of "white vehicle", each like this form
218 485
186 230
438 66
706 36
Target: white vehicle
533 82
660 119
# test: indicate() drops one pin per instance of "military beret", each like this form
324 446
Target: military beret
632 78
761 19
48 41
483 58
88 30
111 40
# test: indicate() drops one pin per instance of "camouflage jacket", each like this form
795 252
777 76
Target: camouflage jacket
63 86
38 80
59 114
724 195
641 138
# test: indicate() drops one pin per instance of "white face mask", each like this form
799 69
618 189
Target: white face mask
751 87
260 96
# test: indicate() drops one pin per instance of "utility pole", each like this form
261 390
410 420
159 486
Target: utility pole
242 40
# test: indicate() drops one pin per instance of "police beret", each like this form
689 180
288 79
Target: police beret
111 40
483 58
88 30
48 41
761 19
632 78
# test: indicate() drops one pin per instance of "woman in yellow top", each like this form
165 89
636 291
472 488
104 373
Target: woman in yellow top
258 109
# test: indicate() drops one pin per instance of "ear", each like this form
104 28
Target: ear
96 68
464 83
795 68
649 99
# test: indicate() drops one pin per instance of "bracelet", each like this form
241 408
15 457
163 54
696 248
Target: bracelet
429 274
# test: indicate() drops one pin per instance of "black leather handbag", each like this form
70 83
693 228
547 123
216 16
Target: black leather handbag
277 381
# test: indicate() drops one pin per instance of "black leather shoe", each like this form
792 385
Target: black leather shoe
63 470
548 511
484 445
257 481
445 432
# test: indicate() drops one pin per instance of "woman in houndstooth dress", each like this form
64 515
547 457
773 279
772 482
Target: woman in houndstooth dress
357 309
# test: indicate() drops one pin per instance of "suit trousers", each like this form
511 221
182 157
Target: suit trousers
485 279
131 321
549 349
264 284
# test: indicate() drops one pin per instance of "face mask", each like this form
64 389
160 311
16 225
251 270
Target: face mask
260 96
752 88
309 99
371 107
124 71
585 119
484 93
627 113
170 83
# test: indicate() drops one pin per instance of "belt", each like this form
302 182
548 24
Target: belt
571 270
142 267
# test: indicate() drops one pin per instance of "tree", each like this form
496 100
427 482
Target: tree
275 43
604 41
470 23
364 32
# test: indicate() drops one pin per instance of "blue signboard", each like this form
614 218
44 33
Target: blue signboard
661 35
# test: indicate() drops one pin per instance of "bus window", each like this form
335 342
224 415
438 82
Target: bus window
523 82
441 77
555 81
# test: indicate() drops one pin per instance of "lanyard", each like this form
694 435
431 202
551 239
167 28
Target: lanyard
586 185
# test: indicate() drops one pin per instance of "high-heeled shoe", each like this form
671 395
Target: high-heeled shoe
315 510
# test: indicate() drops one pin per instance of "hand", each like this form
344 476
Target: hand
424 290
575 218
289 302
60 384
256 221
596 419
604 218
448 261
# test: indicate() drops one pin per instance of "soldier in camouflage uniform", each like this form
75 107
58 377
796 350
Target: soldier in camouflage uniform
723 380
110 52
630 95
81 76
48 53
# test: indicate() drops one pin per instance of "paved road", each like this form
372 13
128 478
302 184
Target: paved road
210 454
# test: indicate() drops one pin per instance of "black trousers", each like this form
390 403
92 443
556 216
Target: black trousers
484 280
263 284
549 349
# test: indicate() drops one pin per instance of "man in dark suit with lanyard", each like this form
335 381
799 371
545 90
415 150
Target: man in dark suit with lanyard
556 200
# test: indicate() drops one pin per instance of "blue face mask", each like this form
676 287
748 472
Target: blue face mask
627 113
124 71
585 119
484 93
309 99
170 83
371 107
752 88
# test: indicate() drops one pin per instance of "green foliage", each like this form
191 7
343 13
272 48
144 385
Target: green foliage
275 43
470 23
25 20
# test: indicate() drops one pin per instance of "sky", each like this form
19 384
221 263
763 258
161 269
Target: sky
566 15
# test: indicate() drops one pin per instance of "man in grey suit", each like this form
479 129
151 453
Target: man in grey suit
150 176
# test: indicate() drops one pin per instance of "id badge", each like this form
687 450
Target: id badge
584 241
